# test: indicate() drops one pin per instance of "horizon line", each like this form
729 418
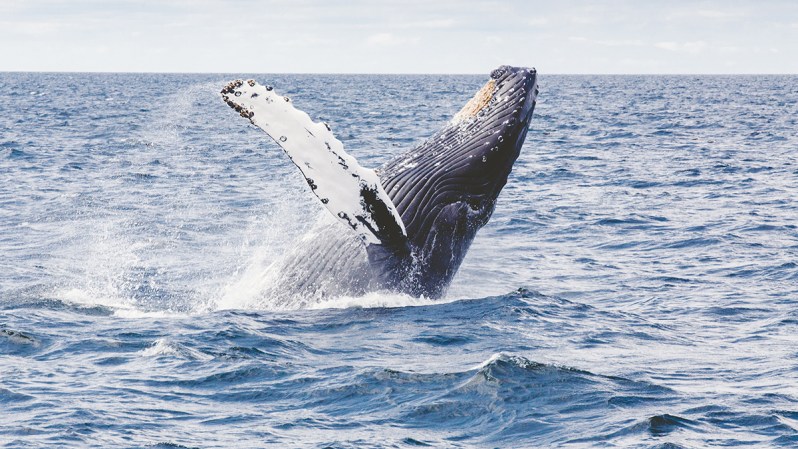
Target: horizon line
110 72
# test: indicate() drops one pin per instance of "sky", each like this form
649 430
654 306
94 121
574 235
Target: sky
407 36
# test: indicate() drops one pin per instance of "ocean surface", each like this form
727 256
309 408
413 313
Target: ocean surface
637 286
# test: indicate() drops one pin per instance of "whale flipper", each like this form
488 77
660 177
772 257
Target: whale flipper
352 193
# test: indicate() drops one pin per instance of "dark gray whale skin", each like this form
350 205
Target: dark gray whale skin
444 189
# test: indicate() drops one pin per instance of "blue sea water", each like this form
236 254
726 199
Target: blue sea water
636 287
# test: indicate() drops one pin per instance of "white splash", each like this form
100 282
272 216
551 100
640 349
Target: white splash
380 299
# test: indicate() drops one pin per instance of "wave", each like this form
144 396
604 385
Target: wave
508 396
19 343
165 347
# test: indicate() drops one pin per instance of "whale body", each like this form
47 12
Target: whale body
406 226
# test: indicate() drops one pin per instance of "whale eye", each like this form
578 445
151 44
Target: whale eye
473 204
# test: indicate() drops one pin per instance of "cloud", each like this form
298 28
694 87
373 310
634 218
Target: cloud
694 47
730 49
718 14
538 21
583 20
670 46
432 24
389 39
30 28
302 40
608 42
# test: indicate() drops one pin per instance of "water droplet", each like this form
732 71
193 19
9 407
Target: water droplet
484 159
501 138
238 94
286 99
269 88
283 138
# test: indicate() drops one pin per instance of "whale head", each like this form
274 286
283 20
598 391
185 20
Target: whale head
446 188
491 129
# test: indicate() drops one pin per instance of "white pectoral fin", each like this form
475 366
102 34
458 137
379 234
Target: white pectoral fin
353 194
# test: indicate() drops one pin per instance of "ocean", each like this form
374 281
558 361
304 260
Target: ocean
637 286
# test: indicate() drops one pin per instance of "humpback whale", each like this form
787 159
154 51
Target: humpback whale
411 221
